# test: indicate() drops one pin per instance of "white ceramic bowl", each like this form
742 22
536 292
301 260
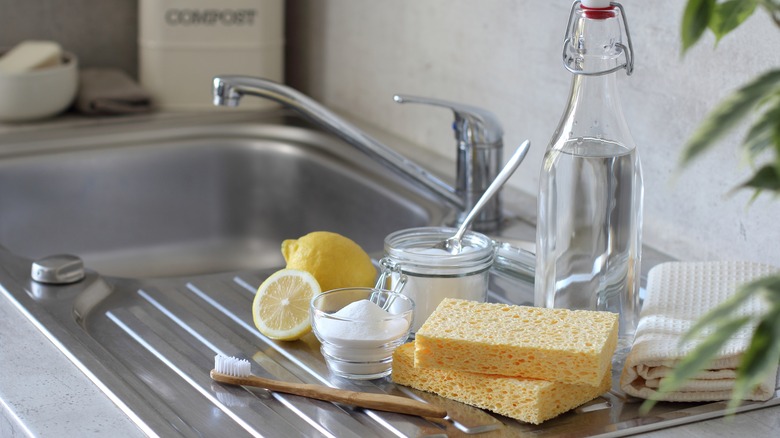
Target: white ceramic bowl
40 93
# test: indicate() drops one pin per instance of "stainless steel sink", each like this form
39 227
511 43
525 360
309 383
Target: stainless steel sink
178 221
195 200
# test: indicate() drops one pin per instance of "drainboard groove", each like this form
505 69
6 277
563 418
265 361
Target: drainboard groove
232 311
168 383
170 315
248 287
181 368
198 339
300 360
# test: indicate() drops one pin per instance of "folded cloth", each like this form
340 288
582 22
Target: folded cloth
679 293
110 91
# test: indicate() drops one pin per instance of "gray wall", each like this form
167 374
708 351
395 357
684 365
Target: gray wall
505 55
102 33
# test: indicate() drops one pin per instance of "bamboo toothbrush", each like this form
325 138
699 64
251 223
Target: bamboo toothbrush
234 371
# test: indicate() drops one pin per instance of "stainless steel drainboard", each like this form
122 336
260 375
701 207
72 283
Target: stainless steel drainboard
149 344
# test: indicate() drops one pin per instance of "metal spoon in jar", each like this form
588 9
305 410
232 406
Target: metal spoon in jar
452 244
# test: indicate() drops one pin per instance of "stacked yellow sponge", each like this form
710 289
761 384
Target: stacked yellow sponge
523 362
529 400
560 345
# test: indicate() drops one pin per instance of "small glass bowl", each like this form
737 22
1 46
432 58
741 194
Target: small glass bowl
358 337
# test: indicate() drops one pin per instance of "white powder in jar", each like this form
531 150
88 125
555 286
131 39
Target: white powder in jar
433 274
428 290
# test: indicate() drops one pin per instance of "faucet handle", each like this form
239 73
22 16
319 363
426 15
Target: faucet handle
480 145
473 125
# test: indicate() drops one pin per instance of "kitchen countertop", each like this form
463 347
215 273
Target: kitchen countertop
44 394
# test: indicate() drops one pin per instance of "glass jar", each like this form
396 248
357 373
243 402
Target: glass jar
431 274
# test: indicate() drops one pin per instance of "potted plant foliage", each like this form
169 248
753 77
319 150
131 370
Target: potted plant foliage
758 102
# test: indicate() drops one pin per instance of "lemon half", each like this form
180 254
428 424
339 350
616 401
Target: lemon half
334 260
280 309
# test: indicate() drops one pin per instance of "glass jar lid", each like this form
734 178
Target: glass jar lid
412 251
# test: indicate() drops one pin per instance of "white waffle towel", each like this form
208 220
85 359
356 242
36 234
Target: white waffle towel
678 293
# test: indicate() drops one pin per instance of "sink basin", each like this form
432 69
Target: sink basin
194 200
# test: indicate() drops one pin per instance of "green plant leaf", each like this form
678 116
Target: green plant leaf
767 178
773 9
763 132
760 359
697 359
718 314
728 15
700 356
729 113
696 18
768 286
776 140
771 289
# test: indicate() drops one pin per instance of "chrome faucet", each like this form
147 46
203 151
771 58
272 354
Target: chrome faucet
477 131
479 137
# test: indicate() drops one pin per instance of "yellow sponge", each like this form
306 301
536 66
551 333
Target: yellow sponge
558 345
528 400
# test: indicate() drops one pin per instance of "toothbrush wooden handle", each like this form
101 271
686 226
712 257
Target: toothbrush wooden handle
380 402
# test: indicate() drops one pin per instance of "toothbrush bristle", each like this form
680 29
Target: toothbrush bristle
232 366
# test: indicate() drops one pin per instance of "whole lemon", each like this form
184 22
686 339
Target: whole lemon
334 260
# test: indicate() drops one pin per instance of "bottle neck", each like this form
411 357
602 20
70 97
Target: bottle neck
597 95
594 112
593 50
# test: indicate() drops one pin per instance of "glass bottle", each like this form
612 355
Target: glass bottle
590 190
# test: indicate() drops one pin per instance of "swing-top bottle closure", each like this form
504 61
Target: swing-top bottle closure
574 48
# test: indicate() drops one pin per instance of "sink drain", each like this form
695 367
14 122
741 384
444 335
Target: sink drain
58 269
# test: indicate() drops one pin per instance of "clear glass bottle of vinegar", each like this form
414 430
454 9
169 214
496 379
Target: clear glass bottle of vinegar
590 190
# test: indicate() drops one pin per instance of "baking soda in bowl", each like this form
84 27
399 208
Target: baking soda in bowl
362 325
358 340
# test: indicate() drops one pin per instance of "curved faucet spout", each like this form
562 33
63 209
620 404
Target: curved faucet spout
228 91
